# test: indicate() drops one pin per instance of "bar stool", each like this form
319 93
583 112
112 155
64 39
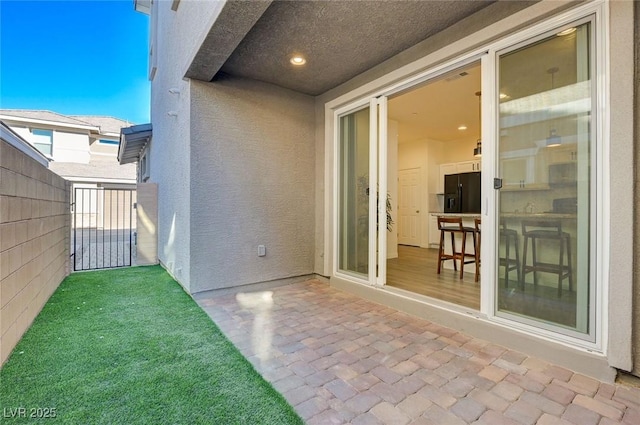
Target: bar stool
476 223
551 230
453 225
510 237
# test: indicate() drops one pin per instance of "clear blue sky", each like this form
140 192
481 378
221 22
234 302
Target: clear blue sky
78 57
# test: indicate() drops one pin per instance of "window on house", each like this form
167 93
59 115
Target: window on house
143 167
109 142
43 140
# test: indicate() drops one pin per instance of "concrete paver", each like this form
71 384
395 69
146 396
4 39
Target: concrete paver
339 359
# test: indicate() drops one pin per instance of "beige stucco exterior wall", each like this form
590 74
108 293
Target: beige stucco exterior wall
34 242
636 250
169 150
252 183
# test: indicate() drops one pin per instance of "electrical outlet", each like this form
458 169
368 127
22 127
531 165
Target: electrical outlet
262 250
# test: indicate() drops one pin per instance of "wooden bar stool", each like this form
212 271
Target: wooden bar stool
453 225
511 238
551 230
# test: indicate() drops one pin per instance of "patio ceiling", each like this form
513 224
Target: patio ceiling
338 39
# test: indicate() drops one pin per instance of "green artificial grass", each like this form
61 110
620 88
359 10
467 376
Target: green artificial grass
130 346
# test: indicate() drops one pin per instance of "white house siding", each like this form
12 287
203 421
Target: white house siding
71 147
252 183
68 146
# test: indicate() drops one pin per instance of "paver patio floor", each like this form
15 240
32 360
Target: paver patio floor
338 358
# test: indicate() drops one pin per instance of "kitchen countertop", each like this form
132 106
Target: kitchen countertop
539 215
470 215
511 215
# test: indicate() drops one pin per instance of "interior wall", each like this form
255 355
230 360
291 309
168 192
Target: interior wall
252 183
459 150
412 155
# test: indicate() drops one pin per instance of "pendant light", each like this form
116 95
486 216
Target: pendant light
477 151
554 139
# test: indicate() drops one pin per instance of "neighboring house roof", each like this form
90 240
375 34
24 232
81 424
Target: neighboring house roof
46 117
95 170
107 125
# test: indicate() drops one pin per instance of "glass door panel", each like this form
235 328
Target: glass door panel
545 147
353 193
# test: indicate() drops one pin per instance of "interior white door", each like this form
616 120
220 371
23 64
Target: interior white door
409 207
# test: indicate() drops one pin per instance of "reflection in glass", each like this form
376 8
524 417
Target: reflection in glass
544 152
353 239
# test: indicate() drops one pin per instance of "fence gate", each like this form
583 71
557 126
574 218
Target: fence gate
103 223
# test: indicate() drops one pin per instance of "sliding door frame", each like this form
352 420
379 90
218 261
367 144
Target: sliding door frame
487 55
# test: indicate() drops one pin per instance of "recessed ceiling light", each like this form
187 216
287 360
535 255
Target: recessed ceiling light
566 32
298 60
462 127
503 96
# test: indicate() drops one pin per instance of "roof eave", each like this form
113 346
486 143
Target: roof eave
142 6
132 141
47 122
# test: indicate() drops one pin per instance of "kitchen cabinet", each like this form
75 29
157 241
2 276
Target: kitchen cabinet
523 170
468 166
563 154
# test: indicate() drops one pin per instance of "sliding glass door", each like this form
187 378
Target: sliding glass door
353 193
361 244
545 159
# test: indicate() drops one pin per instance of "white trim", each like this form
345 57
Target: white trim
355 107
373 188
489 216
330 170
408 77
381 198
591 340
98 180
46 122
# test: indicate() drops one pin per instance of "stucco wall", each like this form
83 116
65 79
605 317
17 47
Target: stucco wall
169 157
34 241
636 250
252 183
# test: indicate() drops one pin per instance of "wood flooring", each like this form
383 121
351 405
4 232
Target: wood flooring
416 269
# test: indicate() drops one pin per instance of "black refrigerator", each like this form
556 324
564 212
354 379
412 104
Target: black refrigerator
462 193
